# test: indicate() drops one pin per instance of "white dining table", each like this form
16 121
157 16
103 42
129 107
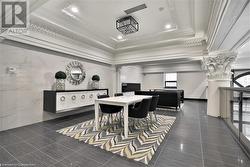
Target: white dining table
123 101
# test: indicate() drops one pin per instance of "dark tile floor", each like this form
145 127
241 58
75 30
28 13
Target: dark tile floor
195 140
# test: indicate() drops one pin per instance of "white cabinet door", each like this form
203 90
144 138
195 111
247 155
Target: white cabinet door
65 100
70 100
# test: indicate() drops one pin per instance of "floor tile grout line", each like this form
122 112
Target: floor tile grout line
18 143
11 155
200 136
79 153
202 156
47 154
160 153
26 153
21 139
39 149
108 161
36 149
163 146
40 152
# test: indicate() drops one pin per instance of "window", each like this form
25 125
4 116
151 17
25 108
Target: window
242 80
171 80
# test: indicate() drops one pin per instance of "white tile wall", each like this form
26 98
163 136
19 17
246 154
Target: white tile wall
21 94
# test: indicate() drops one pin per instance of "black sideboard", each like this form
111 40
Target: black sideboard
65 100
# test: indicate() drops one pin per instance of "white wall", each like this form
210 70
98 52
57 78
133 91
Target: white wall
21 94
153 81
129 74
190 78
194 84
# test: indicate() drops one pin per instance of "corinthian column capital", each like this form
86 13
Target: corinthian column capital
218 64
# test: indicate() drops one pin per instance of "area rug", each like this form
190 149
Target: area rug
141 144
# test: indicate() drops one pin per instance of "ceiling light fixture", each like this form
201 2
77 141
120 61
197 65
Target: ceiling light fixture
74 9
127 25
168 26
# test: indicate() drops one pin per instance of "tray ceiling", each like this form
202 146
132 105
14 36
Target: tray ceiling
94 20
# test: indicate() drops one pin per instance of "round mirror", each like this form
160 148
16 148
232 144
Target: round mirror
75 72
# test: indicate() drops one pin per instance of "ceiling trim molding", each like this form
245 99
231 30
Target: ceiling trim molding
192 13
48 39
47 24
218 10
170 44
242 41
224 16
44 38
135 45
233 22
194 66
161 55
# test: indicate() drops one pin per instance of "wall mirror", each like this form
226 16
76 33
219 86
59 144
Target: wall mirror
75 72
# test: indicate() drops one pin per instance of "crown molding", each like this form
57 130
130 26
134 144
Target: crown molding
218 10
45 38
49 39
245 38
223 19
192 13
177 67
161 54
155 41
83 37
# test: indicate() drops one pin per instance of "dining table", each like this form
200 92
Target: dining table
123 101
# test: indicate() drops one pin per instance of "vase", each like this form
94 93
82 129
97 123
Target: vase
60 84
95 85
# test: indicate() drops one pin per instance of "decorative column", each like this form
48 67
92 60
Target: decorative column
218 68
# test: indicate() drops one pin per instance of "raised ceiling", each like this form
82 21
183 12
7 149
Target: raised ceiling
86 29
94 21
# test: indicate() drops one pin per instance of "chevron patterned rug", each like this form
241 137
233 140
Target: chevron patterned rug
140 145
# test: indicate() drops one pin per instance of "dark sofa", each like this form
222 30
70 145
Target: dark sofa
174 90
167 98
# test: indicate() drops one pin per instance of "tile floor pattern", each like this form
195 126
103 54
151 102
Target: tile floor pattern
195 140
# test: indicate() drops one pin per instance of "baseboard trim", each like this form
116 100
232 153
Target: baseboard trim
195 99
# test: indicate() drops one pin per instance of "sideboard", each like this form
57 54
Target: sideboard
58 101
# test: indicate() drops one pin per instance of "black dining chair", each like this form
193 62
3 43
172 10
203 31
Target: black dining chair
141 110
118 94
108 109
153 106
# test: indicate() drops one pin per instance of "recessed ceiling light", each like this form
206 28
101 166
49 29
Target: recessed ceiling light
74 9
119 37
168 26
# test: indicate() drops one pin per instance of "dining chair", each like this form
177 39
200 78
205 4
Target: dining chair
152 107
108 109
121 113
141 111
